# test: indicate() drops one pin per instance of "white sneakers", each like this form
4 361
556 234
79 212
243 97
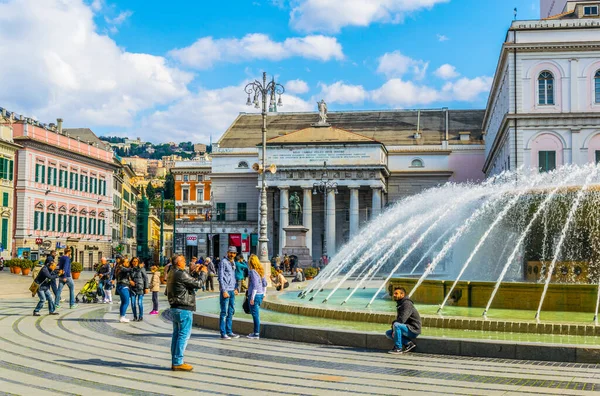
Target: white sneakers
123 319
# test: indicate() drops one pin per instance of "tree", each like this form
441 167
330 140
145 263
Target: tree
169 187
150 192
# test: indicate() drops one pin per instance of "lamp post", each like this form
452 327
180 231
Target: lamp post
324 186
263 90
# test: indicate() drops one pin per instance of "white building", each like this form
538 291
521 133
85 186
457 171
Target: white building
374 157
544 105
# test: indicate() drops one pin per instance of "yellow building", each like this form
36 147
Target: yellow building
125 197
154 238
8 151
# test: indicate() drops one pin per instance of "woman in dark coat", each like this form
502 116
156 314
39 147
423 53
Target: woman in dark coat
139 287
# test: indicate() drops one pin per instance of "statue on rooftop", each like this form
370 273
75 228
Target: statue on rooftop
322 106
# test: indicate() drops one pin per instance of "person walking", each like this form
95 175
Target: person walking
49 259
155 288
102 271
182 299
46 276
64 265
212 271
257 288
139 287
109 282
227 292
407 325
122 276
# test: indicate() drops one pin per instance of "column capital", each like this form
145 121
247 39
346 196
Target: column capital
377 187
354 187
305 187
283 187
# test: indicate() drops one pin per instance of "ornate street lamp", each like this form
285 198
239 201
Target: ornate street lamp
324 186
262 90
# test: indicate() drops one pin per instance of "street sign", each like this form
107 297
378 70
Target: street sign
39 241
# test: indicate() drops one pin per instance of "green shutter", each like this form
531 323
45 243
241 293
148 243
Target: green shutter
5 199
36 224
221 209
37 173
4 233
43 174
10 169
2 169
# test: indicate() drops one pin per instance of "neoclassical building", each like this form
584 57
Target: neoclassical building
374 158
544 105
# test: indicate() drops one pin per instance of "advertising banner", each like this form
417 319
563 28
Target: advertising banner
191 240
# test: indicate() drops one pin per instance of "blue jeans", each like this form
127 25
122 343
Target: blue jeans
182 329
61 284
100 290
44 294
137 301
227 311
123 292
255 312
401 335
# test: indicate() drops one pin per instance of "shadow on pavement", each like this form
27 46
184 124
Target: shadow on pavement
103 363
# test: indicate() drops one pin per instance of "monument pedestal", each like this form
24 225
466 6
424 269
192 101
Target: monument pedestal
295 245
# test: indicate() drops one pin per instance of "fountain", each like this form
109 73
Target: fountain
521 246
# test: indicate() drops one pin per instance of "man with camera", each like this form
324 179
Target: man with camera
44 279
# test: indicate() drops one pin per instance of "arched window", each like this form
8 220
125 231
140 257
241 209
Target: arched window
243 165
597 86
546 88
416 163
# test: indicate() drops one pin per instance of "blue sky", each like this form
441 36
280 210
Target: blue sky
175 71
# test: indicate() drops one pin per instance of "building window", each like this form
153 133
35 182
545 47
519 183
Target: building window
185 193
416 163
590 11
186 178
5 195
199 194
221 209
6 169
38 220
243 165
241 211
597 87
597 156
4 233
546 88
40 172
547 161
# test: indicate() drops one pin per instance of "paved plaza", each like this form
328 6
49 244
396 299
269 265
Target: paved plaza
86 351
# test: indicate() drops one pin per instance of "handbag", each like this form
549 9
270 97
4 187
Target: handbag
34 288
246 304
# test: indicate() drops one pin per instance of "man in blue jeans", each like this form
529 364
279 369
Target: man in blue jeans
64 265
227 292
181 292
407 325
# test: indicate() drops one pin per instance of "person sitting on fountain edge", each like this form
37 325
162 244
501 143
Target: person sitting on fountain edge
407 325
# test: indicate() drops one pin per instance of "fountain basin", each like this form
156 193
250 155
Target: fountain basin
511 295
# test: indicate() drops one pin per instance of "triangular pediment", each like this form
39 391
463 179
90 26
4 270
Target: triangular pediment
73 210
321 135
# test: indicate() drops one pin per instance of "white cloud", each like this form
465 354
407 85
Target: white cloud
395 64
333 15
399 93
206 112
207 51
97 5
296 87
446 72
119 19
466 89
73 72
442 37
342 93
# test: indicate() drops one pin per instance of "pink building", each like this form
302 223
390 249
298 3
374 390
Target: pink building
63 193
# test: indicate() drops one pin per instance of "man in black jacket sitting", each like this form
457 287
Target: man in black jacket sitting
181 292
407 325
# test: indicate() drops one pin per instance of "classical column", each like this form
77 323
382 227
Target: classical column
283 215
330 223
307 215
353 211
376 202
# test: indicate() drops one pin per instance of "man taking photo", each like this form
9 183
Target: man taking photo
181 292
407 325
